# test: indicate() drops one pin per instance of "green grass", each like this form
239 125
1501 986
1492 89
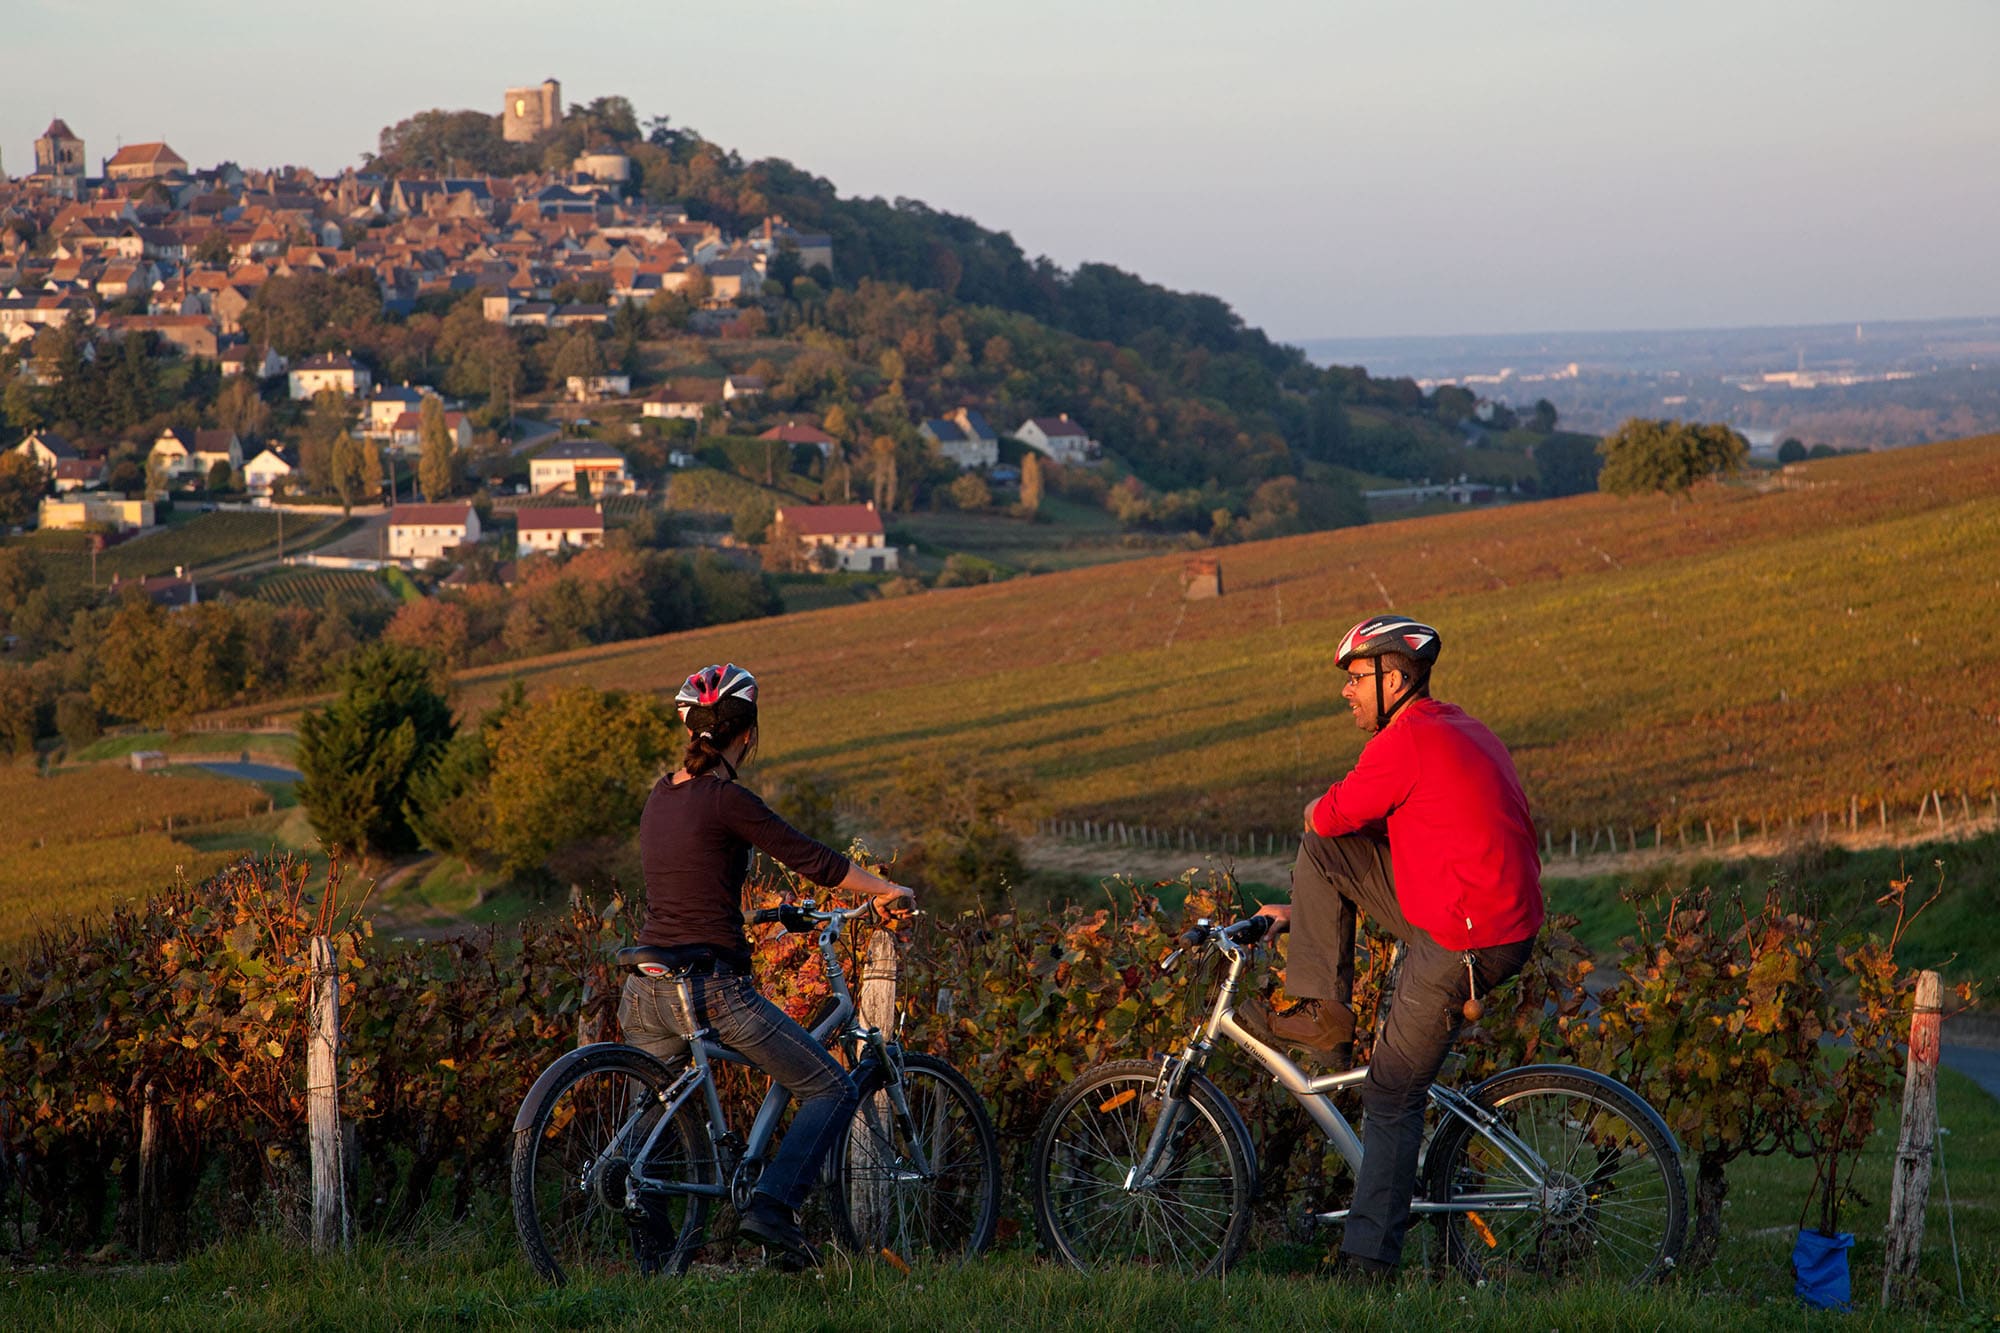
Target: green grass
469 1275
1953 936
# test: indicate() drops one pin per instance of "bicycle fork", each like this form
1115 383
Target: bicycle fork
1174 1073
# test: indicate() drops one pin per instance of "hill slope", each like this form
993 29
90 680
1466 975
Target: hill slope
1761 651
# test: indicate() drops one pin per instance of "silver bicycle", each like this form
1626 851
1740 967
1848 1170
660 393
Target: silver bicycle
1544 1172
619 1158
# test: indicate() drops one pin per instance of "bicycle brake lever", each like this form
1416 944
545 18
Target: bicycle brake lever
1171 961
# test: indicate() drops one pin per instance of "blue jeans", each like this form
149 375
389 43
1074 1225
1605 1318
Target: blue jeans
745 1021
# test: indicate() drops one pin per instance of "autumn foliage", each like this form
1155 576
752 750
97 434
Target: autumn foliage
1715 1013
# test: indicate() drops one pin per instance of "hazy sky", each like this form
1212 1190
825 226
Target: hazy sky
1329 169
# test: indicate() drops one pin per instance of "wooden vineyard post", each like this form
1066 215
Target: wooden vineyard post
1910 1189
865 1152
329 1198
149 1175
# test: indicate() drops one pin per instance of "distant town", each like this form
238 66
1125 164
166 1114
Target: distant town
149 244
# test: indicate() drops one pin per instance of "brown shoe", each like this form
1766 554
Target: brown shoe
1323 1029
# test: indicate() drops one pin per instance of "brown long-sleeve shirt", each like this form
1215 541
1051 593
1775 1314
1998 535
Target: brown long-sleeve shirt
694 844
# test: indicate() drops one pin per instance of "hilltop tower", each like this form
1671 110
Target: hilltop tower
59 158
531 111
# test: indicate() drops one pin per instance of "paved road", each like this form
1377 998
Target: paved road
1980 1064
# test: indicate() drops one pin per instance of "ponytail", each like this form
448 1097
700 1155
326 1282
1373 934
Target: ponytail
712 729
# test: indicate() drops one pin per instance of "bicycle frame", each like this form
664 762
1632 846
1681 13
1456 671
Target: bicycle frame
735 1157
1314 1096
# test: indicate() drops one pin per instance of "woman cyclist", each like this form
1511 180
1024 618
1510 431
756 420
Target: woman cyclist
695 839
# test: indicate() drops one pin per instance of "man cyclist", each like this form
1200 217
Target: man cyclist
1430 836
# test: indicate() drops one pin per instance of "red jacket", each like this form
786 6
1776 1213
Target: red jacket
1461 841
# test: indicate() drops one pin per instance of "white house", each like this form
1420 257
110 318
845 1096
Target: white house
426 532
576 465
1059 438
240 360
742 386
964 438
387 404
262 473
48 449
216 446
331 370
172 454
553 529
852 532
684 401
406 435
595 388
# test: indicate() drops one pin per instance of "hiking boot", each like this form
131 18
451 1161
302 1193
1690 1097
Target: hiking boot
1323 1029
784 1240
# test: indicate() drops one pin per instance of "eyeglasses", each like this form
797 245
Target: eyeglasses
1356 677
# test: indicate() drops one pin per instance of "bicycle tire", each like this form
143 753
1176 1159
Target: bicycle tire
1613 1205
569 1172
880 1202
1194 1221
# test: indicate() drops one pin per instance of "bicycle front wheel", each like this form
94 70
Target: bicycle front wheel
582 1142
1608 1204
925 1185
1191 1215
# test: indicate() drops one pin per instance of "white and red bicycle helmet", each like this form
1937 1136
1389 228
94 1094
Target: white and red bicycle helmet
712 684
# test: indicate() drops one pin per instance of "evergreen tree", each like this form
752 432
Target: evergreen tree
360 754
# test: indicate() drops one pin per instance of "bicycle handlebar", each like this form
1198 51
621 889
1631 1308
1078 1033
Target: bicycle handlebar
1240 934
806 915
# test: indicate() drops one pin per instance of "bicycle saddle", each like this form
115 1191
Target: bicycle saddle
649 959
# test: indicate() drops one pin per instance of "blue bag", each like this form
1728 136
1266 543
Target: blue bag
1819 1266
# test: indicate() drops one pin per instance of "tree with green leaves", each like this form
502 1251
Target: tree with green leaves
1566 464
1668 457
437 460
572 766
21 405
357 471
360 754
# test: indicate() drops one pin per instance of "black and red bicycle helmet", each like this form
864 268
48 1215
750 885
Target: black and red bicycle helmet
712 684
1389 633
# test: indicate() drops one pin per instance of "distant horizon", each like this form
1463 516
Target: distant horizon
1769 327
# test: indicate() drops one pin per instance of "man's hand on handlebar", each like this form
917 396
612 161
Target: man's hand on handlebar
1280 914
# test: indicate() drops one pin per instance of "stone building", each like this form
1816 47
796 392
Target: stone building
59 159
530 111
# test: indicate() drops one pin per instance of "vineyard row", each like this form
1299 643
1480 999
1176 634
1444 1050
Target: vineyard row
1939 812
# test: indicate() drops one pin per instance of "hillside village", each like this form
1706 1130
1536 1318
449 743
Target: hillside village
607 388
151 246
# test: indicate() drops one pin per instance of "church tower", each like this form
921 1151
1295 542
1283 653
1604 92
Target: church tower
59 158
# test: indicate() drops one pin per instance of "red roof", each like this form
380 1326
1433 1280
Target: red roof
793 433
447 515
142 154
574 518
832 520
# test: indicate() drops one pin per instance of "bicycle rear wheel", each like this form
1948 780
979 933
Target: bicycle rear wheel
1195 1213
928 1187
574 1155
1611 1203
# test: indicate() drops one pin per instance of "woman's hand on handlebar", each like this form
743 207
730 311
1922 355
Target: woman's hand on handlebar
888 895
